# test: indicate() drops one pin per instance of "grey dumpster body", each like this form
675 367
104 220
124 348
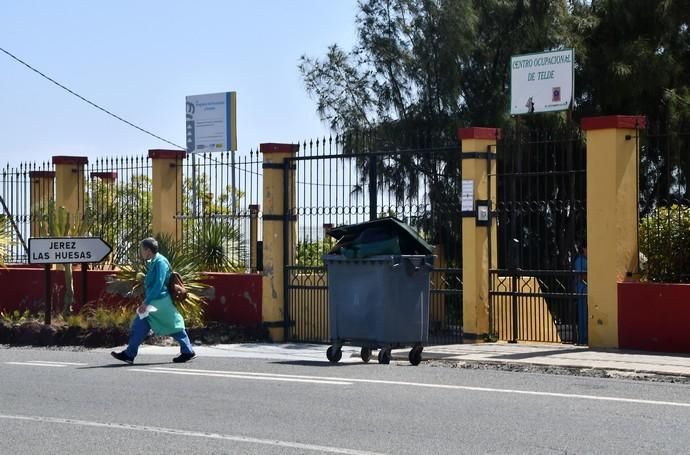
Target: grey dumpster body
378 289
381 302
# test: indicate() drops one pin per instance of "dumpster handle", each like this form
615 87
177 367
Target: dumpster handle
412 265
427 262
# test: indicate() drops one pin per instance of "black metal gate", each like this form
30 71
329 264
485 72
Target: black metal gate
347 180
538 284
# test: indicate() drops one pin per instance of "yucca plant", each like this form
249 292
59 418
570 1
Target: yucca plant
219 247
129 280
59 222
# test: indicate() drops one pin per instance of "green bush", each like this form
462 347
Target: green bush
309 254
665 245
97 316
18 317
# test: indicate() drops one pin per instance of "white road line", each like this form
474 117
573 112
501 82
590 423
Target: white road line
197 434
77 364
230 375
36 364
439 386
46 363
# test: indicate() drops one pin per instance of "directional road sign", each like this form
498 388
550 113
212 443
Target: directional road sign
67 250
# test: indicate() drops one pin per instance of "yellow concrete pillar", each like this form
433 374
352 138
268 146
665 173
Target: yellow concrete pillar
102 192
253 236
612 197
70 188
42 193
166 194
102 187
105 177
478 162
275 241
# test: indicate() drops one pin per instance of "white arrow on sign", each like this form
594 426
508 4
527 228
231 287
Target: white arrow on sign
67 250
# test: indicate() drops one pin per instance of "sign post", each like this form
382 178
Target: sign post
66 250
212 127
49 303
541 82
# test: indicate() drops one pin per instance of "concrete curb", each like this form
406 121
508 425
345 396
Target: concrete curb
564 366
562 363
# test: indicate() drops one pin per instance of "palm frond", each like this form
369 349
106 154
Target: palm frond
5 240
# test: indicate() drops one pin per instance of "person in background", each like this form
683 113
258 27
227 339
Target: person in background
580 266
158 312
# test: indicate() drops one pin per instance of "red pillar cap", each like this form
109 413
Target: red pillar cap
167 154
70 160
629 122
279 148
478 133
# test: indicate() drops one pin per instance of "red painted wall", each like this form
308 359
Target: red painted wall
654 317
237 298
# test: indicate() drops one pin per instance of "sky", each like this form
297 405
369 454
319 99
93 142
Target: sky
139 59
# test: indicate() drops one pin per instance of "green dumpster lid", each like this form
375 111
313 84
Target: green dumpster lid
410 241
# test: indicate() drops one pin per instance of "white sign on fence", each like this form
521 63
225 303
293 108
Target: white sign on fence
67 250
467 196
212 122
541 82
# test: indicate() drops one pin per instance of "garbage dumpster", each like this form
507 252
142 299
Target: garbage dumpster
378 289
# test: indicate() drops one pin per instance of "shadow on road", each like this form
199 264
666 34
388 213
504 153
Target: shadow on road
124 365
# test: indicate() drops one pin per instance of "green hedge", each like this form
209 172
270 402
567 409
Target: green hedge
665 245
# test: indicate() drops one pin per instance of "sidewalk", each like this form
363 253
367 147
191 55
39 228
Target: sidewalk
557 355
554 355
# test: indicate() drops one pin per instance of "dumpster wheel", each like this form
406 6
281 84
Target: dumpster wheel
385 356
334 354
416 355
365 353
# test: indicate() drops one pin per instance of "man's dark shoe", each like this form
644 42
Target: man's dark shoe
122 356
182 358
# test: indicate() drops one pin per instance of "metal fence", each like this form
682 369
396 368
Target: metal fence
664 202
351 179
220 198
16 213
537 290
118 204
221 194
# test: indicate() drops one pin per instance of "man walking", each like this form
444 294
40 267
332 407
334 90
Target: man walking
158 311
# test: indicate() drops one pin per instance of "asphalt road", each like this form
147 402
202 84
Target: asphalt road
58 402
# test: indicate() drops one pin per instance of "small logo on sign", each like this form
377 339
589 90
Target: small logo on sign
556 94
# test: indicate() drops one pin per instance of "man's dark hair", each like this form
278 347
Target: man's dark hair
150 244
